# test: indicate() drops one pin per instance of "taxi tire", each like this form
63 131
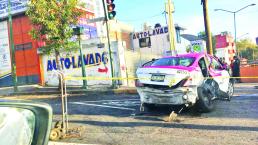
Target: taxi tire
202 105
149 107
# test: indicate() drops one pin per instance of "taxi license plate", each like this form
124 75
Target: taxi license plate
158 78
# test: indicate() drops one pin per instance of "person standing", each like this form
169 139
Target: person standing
236 68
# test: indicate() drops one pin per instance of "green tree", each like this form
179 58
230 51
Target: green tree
52 21
202 35
247 49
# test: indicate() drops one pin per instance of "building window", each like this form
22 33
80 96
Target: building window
24 46
178 36
144 42
27 46
19 47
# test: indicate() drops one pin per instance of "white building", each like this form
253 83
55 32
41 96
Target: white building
156 42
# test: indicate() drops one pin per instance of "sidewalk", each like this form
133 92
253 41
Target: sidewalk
39 90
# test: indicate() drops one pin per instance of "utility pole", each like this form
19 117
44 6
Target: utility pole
171 28
207 26
235 35
109 46
12 47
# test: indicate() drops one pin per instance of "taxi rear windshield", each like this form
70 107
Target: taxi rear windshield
174 61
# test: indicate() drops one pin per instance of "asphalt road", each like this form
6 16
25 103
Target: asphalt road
116 119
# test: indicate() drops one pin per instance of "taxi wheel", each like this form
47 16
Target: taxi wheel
205 103
149 107
230 90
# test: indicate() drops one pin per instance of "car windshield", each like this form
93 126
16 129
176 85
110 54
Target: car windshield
174 61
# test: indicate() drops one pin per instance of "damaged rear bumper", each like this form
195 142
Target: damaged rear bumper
169 96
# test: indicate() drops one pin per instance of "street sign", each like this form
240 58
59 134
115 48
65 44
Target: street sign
197 46
5 57
256 40
95 20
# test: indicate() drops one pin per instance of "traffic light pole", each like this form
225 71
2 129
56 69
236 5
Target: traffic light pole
78 31
12 47
83 65
109 46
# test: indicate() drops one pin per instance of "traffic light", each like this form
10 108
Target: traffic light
78 30
110 9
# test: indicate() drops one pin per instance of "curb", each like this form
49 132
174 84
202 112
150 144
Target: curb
76 92
125 91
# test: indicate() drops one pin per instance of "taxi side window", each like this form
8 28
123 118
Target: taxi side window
203 67
214 64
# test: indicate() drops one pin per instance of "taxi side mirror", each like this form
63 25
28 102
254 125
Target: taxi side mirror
24 122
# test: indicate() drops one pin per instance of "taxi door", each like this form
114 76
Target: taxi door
220 75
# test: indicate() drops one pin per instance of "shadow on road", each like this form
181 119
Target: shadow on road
167 125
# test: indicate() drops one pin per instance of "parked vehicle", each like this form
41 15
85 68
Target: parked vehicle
195 79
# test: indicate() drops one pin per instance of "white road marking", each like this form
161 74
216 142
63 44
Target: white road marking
105 106
113 100
122 103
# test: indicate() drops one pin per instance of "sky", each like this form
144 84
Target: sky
189 14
